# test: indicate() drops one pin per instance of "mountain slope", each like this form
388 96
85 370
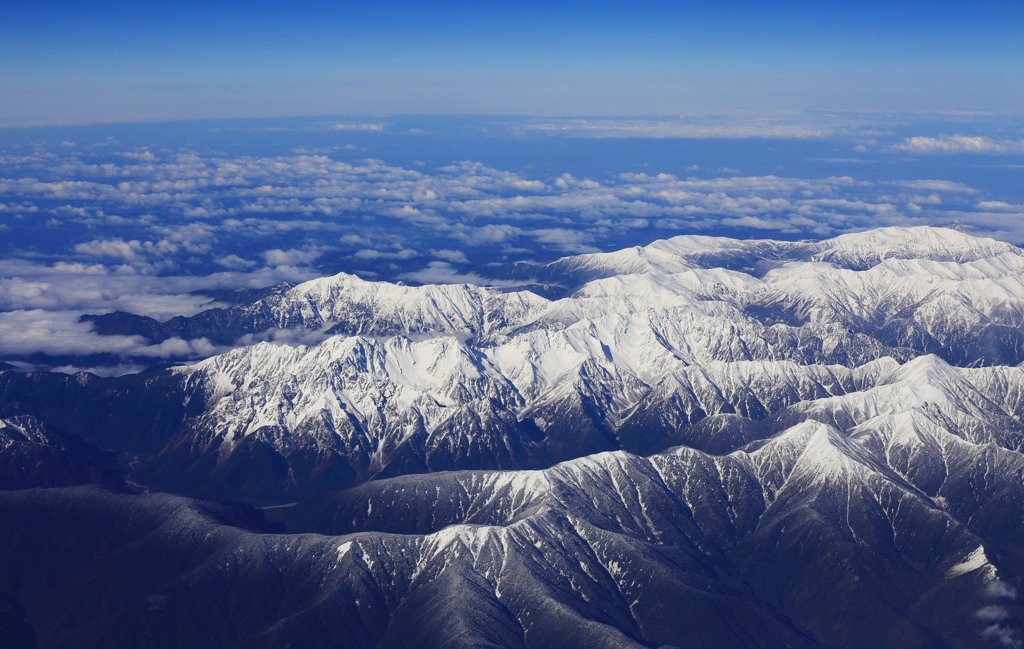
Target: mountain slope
703 442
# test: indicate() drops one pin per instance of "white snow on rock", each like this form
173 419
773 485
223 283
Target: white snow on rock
818 337
974 561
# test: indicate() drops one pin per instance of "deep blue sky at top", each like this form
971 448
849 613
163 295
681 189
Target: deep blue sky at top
117 61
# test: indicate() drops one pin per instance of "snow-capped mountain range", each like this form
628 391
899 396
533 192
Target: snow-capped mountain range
479 378
701 442
848 280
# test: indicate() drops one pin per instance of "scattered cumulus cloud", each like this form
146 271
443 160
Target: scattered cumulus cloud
1000 589
358 126
117 248
143 230
235 262
999 206
455 256
291 257
1003 635
186 202
565 240
992 613
947 186
997 618
959 144
369 253
682 128
441 272
145 155
26 332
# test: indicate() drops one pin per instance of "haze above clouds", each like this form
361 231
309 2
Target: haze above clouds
105 61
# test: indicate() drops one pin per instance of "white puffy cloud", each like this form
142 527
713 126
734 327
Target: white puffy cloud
358 126
947 186
489 234
24 332
193 201
999 206
758 223
403 253
565 240
454 256
27 332
96 289
958 144
119 248
682 128
1000 589
992 613
291 257
234 262
145 155
441 272
1003 635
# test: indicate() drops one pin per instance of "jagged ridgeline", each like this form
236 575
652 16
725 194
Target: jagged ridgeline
703 442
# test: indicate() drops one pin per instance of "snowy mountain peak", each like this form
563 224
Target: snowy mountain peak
713 359
865 249
927 369
22 430
855 251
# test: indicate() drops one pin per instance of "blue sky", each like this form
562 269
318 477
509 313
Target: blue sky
131 61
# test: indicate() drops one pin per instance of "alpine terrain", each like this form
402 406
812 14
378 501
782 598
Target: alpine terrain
703 442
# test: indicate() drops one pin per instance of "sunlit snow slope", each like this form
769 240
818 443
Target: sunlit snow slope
705 442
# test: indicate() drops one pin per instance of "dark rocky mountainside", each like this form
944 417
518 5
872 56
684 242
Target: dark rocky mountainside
703 443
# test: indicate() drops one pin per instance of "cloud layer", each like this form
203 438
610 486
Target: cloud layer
98 228
959 144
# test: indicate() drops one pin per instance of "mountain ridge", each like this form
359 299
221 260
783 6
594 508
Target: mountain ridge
768 451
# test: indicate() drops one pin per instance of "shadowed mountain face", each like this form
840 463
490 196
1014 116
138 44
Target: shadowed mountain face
706 442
